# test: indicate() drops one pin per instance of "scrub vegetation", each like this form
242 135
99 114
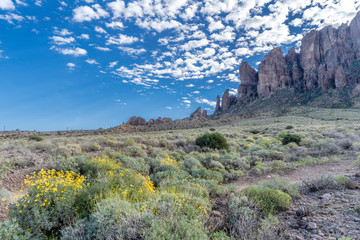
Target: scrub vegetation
173 184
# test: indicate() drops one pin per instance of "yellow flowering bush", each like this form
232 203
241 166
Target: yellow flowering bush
169 161
48 205
103 164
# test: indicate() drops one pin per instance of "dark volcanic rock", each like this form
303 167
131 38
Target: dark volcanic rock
274 73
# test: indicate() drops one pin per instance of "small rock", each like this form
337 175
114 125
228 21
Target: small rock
352 185
311 226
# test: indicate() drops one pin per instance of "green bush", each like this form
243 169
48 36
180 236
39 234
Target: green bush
70 164
208 175
191 163
220 236
176 227
5 166
115 218
243 220
212 140
282 184
36 138
288 138
254 131
10 230
267 199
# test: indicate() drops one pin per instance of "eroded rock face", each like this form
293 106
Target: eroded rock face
136 121
249 80
227 100
296 72
274 73
198 114
217 106
159 121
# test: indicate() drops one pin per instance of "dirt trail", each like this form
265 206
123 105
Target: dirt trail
303 173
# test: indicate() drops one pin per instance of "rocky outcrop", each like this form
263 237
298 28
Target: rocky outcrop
217 106
136 121
274 73
328 58
198 114
292 59
249 81
227 100
139 121
159 121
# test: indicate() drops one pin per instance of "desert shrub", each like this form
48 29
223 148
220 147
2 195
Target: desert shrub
243 220
288 138
191 163
129 142
183 186
165 144
267 199
278 165
42 147
289 127
335 182
152 163
345 144
137 164
232 175
78 230
176 227
212 140
220 236
10 230
282 184
324 147
93 166
270 229
212 129
178 216
36 138
269 155
160 176
208 175
120 183
70 164
215 165
94 147
254 131
49 204
211 185
259 168
135 151
5 166
115 218
68 150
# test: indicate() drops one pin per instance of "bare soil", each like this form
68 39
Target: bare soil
308 172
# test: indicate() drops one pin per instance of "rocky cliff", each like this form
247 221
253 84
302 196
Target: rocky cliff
328 59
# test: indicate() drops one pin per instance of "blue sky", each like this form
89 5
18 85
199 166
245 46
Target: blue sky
87 64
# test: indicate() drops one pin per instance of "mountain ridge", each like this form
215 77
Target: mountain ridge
328 59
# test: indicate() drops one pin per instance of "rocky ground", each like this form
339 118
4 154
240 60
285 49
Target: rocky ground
327 214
